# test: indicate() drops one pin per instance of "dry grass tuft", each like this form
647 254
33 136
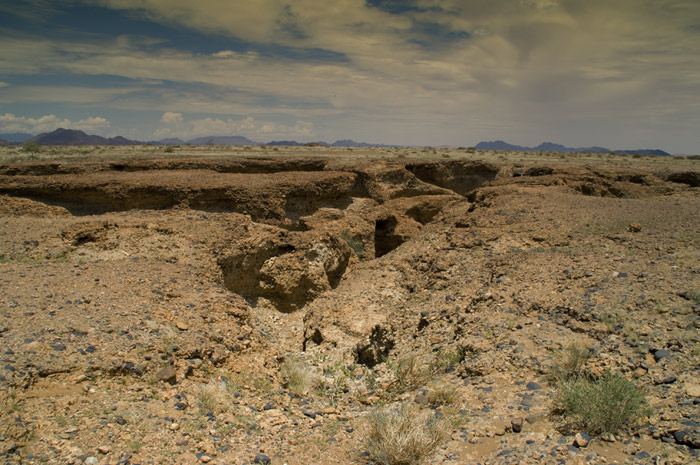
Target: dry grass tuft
404 436
216 396
409 372
443 394
299 377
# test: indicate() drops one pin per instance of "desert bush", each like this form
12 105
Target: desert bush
409 373
445 360
605 405
299 377
216 395
404 436
31 147
443 394
569 364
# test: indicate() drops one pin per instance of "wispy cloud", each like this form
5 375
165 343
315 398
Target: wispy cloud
461 71
174 125
12 123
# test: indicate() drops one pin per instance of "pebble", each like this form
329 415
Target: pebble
421 399
533 386
174 426
581 439
692 390
91 461
104 449
517 424
182 325
167 374
661 354
262 458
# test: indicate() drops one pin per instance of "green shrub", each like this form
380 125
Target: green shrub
31 147
605 405
404 436
409 373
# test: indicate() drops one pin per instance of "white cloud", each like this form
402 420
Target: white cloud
170 117
4 84
532 68
263 131
47 123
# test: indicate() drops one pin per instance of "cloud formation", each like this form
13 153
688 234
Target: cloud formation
176 126
47 123
419 71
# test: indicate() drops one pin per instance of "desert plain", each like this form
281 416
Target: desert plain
233 305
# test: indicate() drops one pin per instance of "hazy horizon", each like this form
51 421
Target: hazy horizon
622 75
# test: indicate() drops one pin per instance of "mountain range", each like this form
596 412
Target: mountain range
63 136
552 147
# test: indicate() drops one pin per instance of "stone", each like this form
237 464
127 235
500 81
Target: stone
421 399
182 325
581 439
634 227
91 461
104 449
517 424
692 390
262 458
533 386
167 374
661 354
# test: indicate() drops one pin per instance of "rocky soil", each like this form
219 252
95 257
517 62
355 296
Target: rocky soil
157 311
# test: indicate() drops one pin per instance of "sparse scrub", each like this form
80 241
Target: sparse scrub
605 405
445 360
299 377
443 394
693 296
404 436
409 373
31 147
569 364
215 396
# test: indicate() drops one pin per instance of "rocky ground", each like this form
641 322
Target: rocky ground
159 310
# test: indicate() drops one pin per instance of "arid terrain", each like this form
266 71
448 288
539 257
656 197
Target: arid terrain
233 305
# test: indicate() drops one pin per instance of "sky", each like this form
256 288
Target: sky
623 74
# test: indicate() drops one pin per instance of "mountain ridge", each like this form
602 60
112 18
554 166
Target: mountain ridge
62 136
552 147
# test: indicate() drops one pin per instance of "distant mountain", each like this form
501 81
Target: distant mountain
338 143
171 141
643 152
221 140
63 136
352 143
500 145
552 147
3 142
16 137
285 143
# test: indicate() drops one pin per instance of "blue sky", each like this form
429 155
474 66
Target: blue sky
622 74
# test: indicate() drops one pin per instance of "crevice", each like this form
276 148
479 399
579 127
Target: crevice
462 177
385 237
